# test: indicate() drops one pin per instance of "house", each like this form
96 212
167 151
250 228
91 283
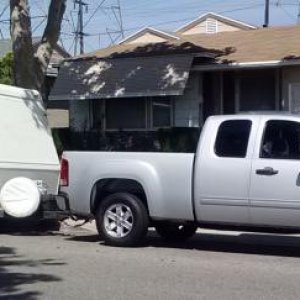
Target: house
58 112
208 23
138 88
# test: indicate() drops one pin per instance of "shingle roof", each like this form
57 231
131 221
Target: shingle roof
258 45
140 50
122 78
265 44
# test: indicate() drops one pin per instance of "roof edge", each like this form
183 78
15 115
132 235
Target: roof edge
253 64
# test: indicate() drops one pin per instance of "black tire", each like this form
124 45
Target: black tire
139 220
175 232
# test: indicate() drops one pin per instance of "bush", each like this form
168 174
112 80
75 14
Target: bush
178 139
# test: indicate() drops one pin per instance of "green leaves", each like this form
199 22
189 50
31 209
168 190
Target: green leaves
6 69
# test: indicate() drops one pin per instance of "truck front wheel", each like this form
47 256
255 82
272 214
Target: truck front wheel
122 220
175 232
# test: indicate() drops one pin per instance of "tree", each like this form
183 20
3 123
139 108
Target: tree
6 63
29 66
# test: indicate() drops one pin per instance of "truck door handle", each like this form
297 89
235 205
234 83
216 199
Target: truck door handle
266 171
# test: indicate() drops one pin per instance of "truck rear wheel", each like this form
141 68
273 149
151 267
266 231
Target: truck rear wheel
122 220
175 232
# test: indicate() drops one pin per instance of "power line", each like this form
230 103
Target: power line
94 13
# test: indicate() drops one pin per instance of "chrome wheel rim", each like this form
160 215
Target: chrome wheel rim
118 220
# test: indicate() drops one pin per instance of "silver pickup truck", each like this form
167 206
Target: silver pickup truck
245 172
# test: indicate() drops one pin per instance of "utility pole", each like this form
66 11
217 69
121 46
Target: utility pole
120 21
79 34
267 10
298 16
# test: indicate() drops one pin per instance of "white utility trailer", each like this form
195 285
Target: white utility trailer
29 165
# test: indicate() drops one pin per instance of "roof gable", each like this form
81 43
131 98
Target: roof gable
149 35
213 16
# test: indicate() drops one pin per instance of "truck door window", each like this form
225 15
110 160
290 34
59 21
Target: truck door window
281 140
232 138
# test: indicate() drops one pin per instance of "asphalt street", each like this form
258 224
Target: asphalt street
74 264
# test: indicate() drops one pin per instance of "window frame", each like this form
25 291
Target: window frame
148 125
263 137
248 140
171 105
126 128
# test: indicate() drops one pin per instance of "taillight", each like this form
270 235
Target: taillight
64 172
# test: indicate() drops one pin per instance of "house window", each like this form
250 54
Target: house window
232 138
125 113
257 91
134 113
211 26
161 112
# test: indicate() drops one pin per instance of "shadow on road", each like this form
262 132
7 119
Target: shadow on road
11 282
244 243
28 227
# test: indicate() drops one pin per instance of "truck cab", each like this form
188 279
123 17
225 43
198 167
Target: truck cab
247 170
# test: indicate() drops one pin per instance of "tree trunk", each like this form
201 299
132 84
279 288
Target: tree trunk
23 67
49 40
29 67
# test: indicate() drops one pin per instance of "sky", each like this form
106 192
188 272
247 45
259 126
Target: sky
102 23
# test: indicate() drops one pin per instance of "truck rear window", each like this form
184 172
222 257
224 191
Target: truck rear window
232 138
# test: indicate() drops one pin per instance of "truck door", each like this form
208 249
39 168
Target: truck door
222 171
275 177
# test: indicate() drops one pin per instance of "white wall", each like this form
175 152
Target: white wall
187 107
147 38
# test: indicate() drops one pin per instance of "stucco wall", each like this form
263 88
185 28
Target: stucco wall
187 107
201 27
147 38
290 75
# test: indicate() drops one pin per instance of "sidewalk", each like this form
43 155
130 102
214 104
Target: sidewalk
69 223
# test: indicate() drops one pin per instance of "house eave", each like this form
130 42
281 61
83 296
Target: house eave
245 65
95 97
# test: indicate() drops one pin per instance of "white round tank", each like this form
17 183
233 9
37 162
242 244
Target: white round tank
20 197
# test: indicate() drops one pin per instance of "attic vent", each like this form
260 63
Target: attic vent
211 26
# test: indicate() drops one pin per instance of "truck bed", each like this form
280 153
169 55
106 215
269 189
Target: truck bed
165 177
